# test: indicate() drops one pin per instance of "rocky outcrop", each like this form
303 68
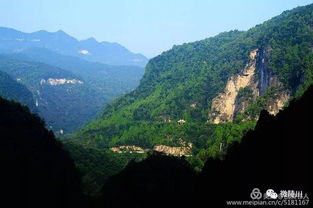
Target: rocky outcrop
181 122
128 148
278 103
62 81
184 150
255 78
193 105
223 106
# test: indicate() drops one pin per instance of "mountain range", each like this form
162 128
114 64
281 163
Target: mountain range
14 41
67 89
205 121
12 90
37 171
200 97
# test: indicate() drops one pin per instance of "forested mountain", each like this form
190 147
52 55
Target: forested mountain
202 96
110 81
69 91
264 159
13 41
62 98
98 165
35 170
12 90
210 120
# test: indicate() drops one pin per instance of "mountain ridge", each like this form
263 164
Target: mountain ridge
10 89
37 171
58 94
180 84
14 41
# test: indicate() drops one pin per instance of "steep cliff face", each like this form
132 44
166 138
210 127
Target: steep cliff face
224 105
278 103
267 79
243 89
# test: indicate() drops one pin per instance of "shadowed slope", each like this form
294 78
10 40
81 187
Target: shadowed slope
276 155
35 170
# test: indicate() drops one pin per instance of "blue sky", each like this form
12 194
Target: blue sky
145 26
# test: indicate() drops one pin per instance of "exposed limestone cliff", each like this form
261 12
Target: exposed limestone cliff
129 148
223 106
184 149
51 81
255 79
177 151
278 103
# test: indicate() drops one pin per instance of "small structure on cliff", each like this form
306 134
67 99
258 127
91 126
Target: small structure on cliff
181 122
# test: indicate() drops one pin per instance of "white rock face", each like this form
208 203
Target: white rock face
177 151
128 148
84 52
61 81
278 103
223 106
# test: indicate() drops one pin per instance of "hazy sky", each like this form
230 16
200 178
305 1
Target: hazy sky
145 26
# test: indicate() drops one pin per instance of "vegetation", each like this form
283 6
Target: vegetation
67 106
38 172
181 83
97 165
276 142
178 84
108 81
12 90
35 170
57 104
253 110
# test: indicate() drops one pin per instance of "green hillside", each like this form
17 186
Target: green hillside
12 90
181 84
65 106
110 81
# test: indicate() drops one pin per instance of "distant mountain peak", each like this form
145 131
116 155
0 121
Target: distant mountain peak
60 31
91 39
40 32
7 29
12 41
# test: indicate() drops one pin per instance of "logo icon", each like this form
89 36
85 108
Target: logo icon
270 193
256 194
